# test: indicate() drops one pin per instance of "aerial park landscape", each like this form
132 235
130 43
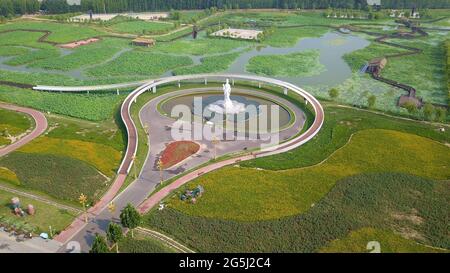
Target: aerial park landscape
224 126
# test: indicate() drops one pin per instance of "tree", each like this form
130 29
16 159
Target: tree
441 114
175 15
114 234
333 93
371 101
428 110
99 245
130 218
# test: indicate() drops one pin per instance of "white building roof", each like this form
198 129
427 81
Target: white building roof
374 2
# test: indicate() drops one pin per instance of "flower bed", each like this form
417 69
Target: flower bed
178 151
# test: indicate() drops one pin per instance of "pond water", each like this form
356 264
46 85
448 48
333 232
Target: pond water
332 47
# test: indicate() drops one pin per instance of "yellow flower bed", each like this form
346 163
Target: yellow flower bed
104 158
249 194
8 176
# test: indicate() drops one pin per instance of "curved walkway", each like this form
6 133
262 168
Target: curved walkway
88 88
40 127
83 233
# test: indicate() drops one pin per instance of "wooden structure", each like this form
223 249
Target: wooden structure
376 65
405 99
143 42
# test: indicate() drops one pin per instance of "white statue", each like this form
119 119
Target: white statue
226 106
227 103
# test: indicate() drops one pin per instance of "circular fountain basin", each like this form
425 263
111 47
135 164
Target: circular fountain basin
247 109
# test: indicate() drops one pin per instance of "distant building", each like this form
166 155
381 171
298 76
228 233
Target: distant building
143 42
375 4
70 2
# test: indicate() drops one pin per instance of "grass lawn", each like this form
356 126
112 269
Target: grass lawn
143 244
251 194
181 32
75 151
61 177
46 215
358 58
22 38
301 64
106 132
7 51
285 37
390 242
201 46
413 207
142 27
61 33
103 157
13 124
141 63
430 80
210 64
92 54
94 106
339 125
34 56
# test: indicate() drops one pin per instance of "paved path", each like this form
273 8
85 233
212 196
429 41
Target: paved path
149 177
88 88
40 127
10 244
137 192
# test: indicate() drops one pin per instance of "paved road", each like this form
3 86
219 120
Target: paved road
144 185
10 244
40 127
159 136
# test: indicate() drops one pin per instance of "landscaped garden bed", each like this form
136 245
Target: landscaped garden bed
178 151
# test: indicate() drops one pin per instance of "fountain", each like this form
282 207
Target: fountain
226 106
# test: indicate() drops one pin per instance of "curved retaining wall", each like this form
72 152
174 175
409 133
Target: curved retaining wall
132 133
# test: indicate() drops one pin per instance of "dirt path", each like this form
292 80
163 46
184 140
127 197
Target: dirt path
165 240
40 127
